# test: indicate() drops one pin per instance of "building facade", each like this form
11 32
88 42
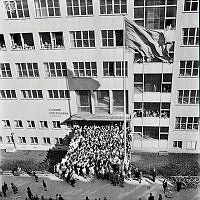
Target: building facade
62 59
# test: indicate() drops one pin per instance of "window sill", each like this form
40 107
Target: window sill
6 127
23 18
19 127
34 143
111 47
26 77
3 49
178 104
71 16
113 14
188 11
58 98
190 130
55 77
47 17
85 77
56 128
22 143
114 76
31 127
52 48
22 49
82 48
8 98
182 45
188 76
43 129
31 98
6 77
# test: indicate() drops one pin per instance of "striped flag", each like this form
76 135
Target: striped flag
150 43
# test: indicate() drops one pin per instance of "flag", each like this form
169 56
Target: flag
150 43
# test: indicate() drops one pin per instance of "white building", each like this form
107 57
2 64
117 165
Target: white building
64 58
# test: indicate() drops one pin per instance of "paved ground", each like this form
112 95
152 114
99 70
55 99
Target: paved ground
94 189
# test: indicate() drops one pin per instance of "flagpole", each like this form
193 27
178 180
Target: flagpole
124 88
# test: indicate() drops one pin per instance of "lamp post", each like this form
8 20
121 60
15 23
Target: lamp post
12 139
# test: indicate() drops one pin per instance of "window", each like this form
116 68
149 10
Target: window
165 110
22 140
27 69
138 83
5 123
166 82
46 140
16 9
187 123
191 5
2 42
114 68
18 124
9 139
102 101
188 96
190 36
118 101
58 140
177 144
34 140
58 94
43 124
85 69
82 39
55 69
155 14
79 7
32 94
47 8
112 38
30 124
22 41
8 94
164 131
51 40
191 145
5 70
113 7
138 109
83 101
56 124
189 68
1 139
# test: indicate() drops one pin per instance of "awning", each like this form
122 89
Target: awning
81 117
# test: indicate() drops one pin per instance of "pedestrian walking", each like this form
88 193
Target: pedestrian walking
14 188
151 197
30 195
160 197
4 189
44 185
178 185
164 185
154 175
60 197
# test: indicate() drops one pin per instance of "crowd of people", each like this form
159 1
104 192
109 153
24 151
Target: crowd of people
97 151
151 113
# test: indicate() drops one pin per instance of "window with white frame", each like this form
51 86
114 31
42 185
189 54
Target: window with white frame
46 140
32 94
1 139
155 14
5 70
2 42
22 41
82 39
85 69
79 7
5 123
18 124
34 140
58 94
30 124
112 38
58 140
51 40
188 96
47 8
114 68
27 69
191 145
43 124
22 140
190 36
187 123
191 5
9 139
55 69
189 68
16 9
8 94
177 144
56 124
109 7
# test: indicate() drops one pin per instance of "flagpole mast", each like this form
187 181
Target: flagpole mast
124 88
